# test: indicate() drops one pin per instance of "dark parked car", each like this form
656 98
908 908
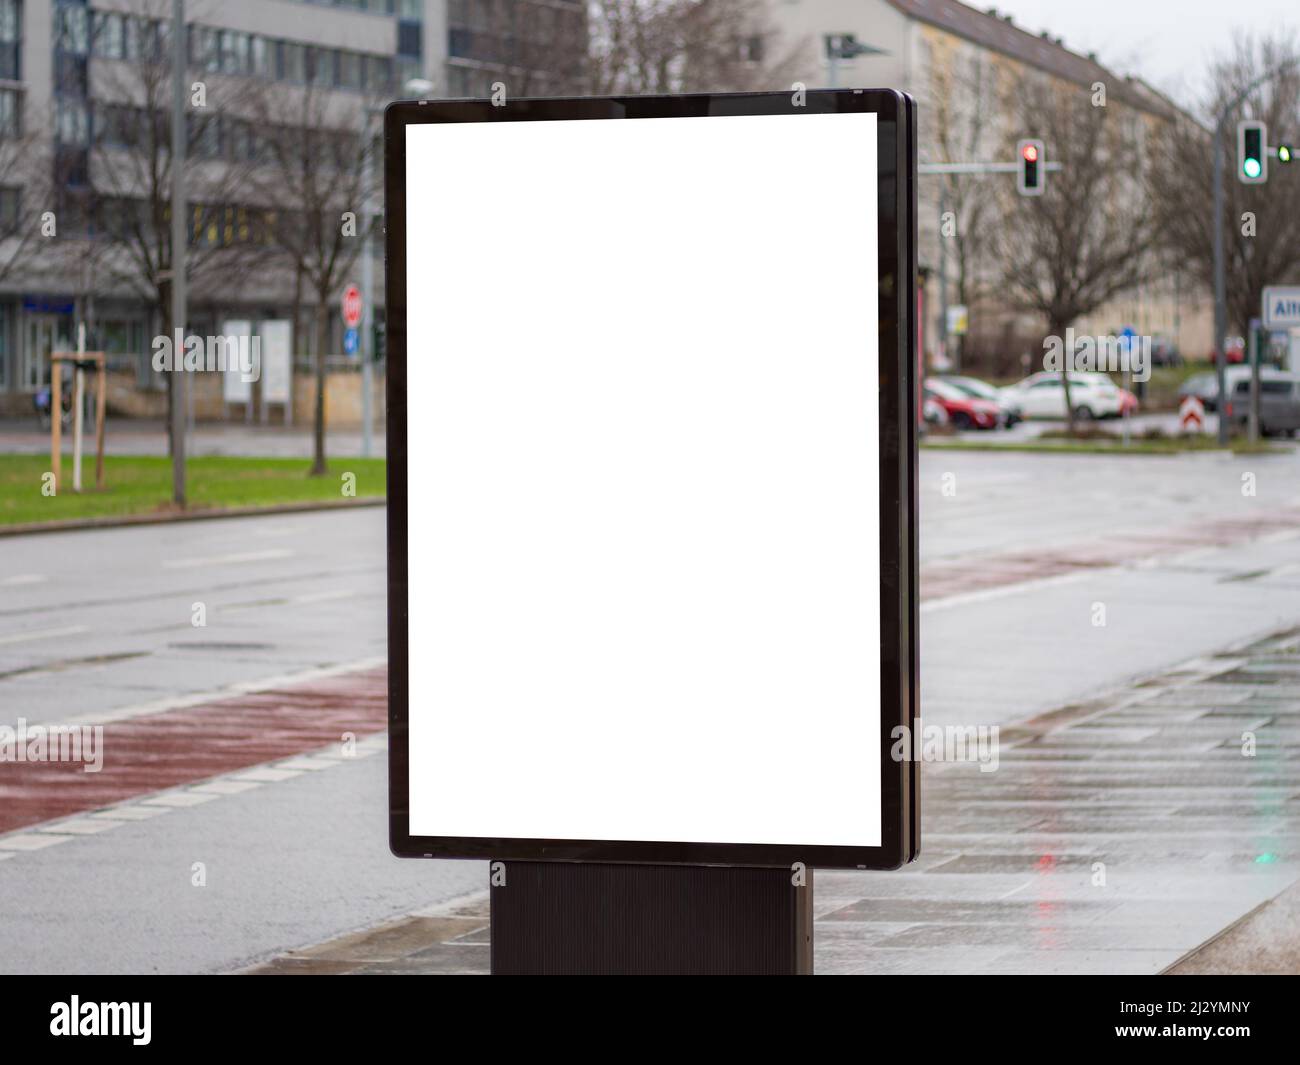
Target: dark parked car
1279 403
1205 386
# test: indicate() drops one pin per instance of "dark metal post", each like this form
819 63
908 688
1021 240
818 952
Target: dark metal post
557 918
1220 284
180 239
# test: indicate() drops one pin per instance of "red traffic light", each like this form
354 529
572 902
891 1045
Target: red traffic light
1029 171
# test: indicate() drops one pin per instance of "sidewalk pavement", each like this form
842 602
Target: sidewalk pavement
1116 836
129 436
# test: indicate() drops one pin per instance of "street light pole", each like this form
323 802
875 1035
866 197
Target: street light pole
180 216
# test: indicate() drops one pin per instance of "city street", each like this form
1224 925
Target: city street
225 744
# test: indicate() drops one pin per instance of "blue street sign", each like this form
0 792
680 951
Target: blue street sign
350 341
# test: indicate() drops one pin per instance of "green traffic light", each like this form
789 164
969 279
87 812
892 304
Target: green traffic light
1251 168
1284 153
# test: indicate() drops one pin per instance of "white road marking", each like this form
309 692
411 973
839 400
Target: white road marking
226 787
43 634
323 597
269 775
929 606
228 560
23 578
1280 537
309 764
31 841
81 826
118 814
177 798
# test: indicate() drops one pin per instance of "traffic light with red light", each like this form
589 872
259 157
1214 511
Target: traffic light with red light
1029 176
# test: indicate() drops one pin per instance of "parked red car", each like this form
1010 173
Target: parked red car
964 412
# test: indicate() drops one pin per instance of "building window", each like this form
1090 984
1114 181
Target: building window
72 29
110 35
10 205
205 48
234 52
349 70
262 57
11 124
322 66
408 69
72 122
379 73
11 35
293 62
204 135
409 38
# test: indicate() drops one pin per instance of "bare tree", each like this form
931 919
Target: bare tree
1261 222
960 128
314 176
1088 238
129 166
662 46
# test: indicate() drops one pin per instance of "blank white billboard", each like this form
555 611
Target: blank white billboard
643 534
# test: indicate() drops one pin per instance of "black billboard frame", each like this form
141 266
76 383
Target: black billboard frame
898 332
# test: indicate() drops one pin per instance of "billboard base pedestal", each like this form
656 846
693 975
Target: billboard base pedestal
605 919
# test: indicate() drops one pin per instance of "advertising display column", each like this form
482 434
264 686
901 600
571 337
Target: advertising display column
651 522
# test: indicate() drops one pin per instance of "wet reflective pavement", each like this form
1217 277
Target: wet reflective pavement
1114 836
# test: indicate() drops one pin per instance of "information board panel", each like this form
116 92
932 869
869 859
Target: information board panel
651 457
236 384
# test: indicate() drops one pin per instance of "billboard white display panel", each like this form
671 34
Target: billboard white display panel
643 500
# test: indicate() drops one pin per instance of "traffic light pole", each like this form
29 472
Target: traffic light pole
1220 280
1220 283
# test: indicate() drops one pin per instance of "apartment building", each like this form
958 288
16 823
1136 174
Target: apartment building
951 57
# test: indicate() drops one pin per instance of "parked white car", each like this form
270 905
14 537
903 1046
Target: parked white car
1042 395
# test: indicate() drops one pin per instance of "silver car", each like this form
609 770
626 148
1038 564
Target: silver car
1279 403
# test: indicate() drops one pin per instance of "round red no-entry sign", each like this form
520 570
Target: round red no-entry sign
352 306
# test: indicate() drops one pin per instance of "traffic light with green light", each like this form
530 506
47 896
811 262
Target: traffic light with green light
1029 177
1284 153
1252 152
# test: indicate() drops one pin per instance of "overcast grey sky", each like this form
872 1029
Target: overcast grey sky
1168 42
